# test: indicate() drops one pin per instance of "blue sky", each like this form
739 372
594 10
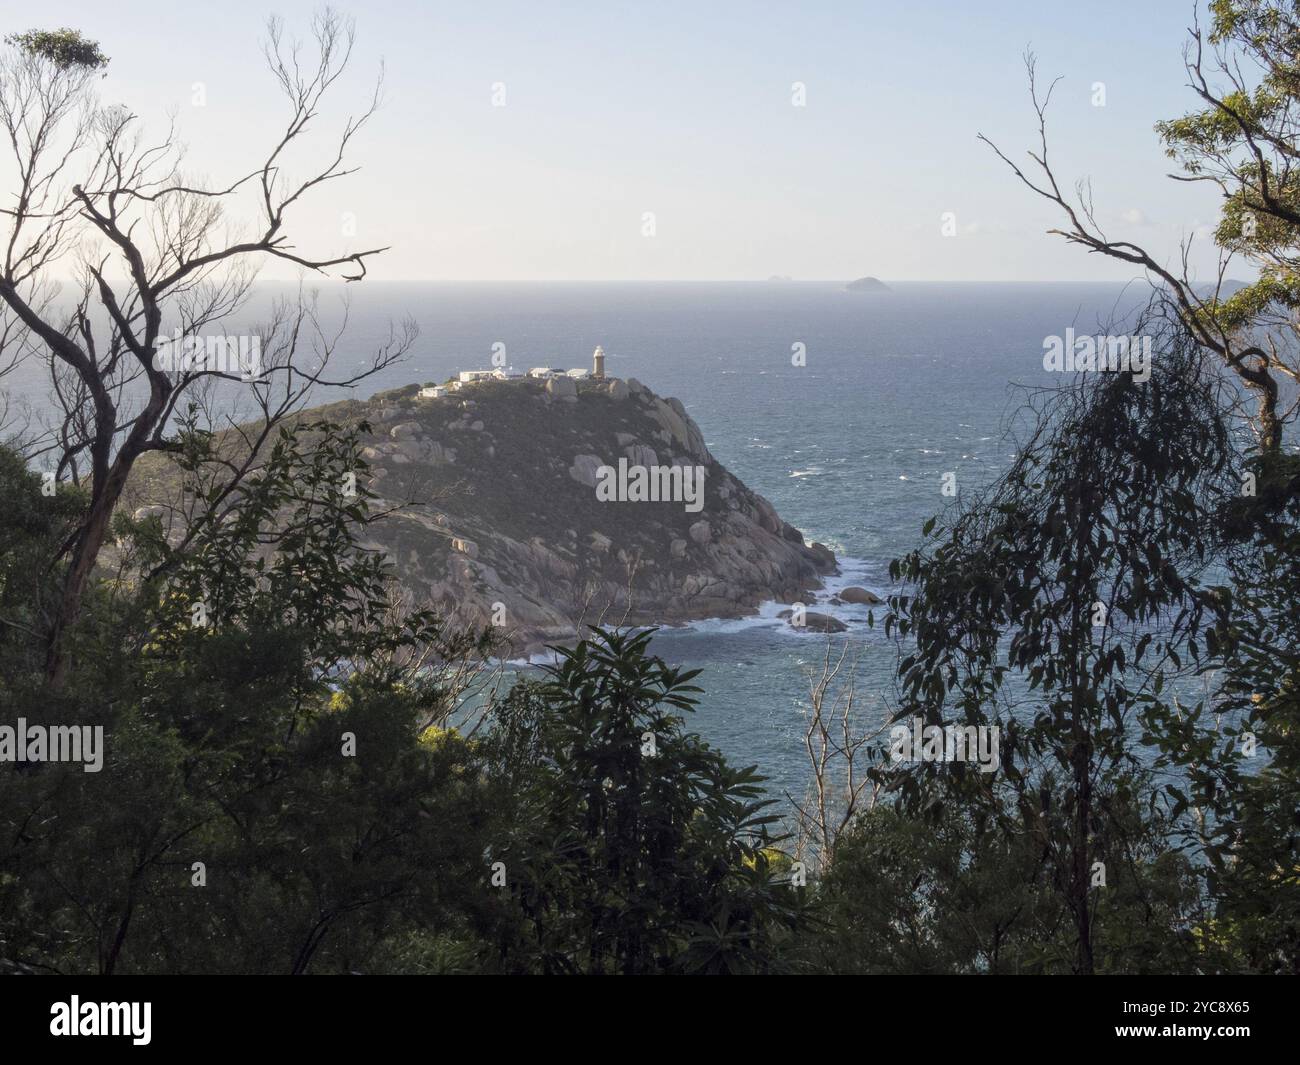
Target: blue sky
684 110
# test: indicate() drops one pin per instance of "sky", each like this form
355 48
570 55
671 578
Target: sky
662 141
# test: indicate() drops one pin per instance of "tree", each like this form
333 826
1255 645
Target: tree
1243 141
90 187
64 48
1230 749
635 848
264 714
1057 609
841 753
905 896
1235 752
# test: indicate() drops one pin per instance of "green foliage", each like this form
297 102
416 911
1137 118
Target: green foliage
33 524
904 897
1238 760
635 848
260 721
1057 610
64 48
1243 140
276 741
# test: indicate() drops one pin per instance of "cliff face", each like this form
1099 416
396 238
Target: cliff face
508 526
499 520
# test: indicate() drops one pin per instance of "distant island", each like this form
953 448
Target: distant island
780 277
867 284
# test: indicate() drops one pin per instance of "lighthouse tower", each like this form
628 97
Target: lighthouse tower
598 362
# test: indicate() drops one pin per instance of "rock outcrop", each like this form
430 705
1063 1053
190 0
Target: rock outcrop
813 621
496 515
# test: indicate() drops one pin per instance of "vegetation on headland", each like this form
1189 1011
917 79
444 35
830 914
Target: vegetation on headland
493 518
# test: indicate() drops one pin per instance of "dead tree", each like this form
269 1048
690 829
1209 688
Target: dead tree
840 746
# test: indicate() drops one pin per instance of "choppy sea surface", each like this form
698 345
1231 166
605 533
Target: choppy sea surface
898 390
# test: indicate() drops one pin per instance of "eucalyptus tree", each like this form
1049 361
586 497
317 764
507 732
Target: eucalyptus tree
1231 749
1245 73
157 258
1057 607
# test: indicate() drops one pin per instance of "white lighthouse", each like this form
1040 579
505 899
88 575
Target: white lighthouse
598 362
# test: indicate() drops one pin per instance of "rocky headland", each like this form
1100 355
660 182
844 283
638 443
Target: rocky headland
497 517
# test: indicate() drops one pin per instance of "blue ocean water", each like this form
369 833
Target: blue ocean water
898 390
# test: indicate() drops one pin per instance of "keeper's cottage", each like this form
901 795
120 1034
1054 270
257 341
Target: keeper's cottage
471 377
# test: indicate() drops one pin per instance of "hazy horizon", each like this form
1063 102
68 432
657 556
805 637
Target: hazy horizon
824 142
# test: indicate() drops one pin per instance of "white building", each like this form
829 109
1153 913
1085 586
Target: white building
433 392
469 377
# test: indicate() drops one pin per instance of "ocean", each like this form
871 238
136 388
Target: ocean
896 391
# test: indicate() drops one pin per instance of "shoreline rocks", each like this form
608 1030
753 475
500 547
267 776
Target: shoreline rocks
814 621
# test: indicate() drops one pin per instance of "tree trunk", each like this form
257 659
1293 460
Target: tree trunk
1082 877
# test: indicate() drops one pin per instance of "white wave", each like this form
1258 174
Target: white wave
854 572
